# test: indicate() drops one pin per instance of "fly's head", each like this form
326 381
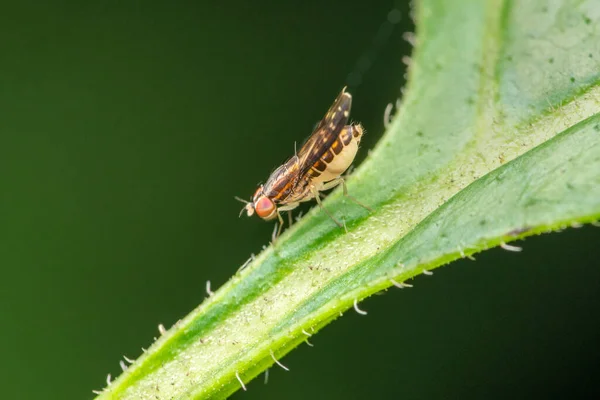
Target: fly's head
264 207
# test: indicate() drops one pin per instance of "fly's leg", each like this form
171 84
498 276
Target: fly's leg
315 193
345 188
288 207
341 180
277 229
331 184
290 218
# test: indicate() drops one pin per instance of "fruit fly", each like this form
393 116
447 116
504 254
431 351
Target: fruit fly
317 167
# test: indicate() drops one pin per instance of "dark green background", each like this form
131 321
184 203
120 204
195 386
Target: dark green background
126 128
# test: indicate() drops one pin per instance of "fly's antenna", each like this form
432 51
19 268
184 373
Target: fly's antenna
246 202
241 200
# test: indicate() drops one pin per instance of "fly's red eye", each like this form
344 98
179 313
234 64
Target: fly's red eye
265 208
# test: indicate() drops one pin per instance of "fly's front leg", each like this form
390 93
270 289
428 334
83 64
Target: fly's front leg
277 229
288 207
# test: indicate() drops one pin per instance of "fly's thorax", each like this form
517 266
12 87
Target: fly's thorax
336 160
282 181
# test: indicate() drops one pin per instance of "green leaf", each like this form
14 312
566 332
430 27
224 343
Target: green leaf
498 138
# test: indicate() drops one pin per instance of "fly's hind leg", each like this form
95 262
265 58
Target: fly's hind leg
342 181
345 188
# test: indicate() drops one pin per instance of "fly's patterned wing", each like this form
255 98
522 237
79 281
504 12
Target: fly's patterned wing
326 132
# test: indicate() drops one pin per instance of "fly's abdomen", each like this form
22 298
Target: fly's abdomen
339 156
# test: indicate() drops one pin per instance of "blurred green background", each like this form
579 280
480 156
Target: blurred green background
126 128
